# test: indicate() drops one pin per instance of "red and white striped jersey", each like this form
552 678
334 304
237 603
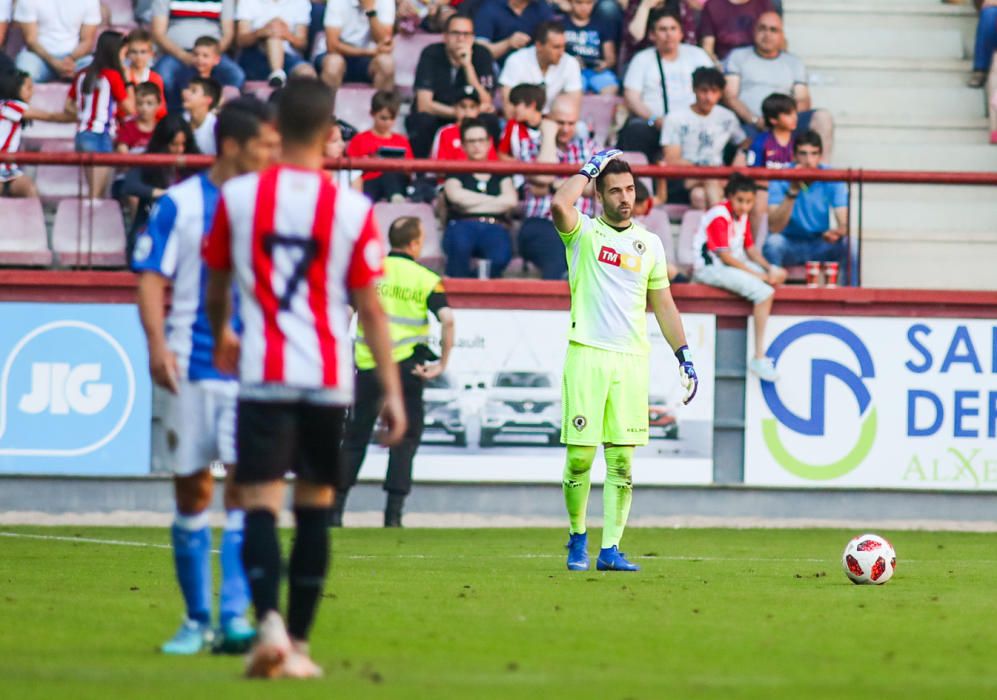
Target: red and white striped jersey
719 230
11 116
298 245
96 111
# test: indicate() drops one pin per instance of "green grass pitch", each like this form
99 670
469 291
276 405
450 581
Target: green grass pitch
494 614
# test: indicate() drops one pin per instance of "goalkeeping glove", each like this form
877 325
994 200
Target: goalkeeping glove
597 163
687 373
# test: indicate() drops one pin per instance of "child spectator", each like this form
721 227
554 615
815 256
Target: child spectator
772 149
16 91
335 147
134 134
139 53
200 98
656 221
521 138
698 135
383 142
727 257
478 209
447 143
593 43
97 97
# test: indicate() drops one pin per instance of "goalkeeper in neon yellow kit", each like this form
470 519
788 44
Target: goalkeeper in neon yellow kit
615 268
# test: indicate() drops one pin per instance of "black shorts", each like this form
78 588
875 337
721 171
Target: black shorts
276 437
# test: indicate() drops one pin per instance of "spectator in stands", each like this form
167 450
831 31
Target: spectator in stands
443 76
358 38
429 15
135 132
727 24
335 147
448 144
755 72
6 14
656 221
727 257
658 80
545 63
638 12
137 70
504 26
58 37
478 209
799 213
176 26
539 243
521 138
16 90
698 135
986 42
201 98
382 142
273 36
771 149
97 98
172 136
592 41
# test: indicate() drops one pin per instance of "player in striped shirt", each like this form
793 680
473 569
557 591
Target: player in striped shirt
199 401
99 96
615 269
16 91
300 249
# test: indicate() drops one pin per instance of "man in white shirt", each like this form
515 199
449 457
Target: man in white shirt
545 63
658 80
357 44
273 34
59 37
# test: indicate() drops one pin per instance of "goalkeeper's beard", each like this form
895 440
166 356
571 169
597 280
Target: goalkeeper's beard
619 217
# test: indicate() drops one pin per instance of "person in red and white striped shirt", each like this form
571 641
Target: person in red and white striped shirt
300 248
99 96
16 91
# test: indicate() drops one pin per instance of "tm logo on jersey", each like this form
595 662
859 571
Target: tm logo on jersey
611 256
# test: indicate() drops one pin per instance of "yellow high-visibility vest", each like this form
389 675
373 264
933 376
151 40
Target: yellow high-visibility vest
403 292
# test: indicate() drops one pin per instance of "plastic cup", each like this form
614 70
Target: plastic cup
830 274
813 273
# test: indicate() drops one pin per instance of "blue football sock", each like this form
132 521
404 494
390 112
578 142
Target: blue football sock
192 558
234 598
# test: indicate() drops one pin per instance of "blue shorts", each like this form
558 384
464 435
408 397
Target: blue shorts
597 81
93 142
257 67
357 68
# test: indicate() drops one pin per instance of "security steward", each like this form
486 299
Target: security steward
408 292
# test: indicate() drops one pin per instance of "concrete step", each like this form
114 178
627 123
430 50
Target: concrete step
874 41
904 261
937 213
900 103
838 71
944 157
859 129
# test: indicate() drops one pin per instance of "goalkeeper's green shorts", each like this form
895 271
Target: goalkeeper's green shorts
603 397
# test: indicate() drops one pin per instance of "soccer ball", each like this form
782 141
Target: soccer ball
869 559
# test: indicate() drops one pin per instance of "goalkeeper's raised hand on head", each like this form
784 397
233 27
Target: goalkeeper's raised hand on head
562 206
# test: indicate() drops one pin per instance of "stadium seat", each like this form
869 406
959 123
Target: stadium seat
685 255
122 13
406 52
598 112
23 240
89 233
353 106
229 93
56 182
658 223
50 97
675 211
257 88
15 40
386 212
638 158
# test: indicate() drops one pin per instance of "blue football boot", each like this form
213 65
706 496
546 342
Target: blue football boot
612 559
191 638
578 556
235 636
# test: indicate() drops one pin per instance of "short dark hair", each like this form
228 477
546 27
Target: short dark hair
472 123
659 14
740 183
454 17
775 105
210 42
809 138
138 36
528 94
641 193
147 89
613 167
545 29
241 119
211 87
11 83
304 109
403 231
704 77
385 99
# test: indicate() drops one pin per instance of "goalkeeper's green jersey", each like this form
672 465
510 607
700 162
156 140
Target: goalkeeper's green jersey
609 272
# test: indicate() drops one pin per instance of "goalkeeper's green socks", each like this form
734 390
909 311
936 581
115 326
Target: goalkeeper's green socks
617 494
576 482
